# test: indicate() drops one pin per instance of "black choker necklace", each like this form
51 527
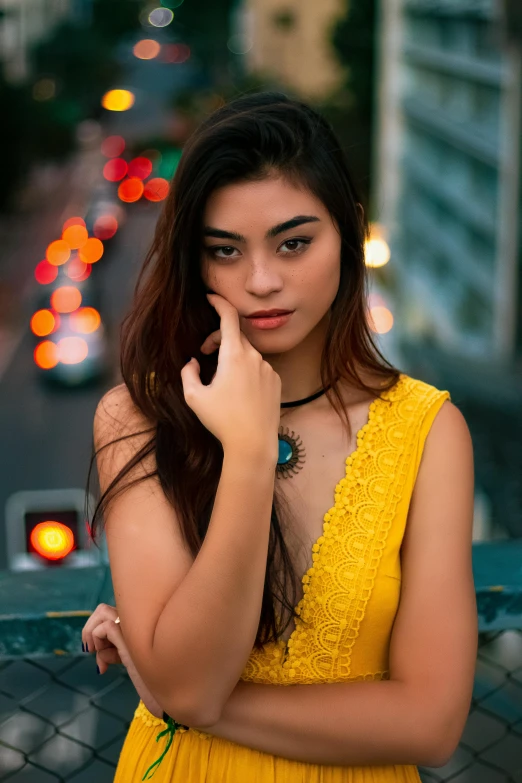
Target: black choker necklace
291 450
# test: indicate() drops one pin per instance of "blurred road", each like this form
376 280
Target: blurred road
52 193
47 433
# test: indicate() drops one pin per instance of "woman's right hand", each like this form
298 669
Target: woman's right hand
241 405
103 634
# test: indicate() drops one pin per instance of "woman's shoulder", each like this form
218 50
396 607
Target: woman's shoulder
117 415
117 404
122 433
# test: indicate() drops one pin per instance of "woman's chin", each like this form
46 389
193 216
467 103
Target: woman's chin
270 343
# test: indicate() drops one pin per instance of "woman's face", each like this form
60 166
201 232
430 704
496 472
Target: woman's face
271 245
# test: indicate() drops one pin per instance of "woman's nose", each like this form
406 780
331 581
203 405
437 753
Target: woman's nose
263 278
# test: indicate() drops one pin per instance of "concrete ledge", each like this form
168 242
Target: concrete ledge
497 570
43 611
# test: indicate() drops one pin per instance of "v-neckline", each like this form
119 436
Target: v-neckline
361 439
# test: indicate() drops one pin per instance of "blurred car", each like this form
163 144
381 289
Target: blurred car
105 213
70 341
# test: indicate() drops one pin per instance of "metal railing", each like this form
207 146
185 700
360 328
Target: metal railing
61 721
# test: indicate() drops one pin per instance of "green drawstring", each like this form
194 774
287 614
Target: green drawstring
172 725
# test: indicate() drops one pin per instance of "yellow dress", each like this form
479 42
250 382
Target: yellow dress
345 618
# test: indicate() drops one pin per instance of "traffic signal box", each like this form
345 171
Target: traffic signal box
48 529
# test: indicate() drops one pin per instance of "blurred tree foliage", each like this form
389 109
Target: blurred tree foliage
205 26
197 105
12 137
351 108
83 66
81 61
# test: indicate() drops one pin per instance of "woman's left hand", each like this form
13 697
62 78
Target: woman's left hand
104 636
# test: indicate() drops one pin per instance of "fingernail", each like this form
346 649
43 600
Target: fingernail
97 668
82 648
86 647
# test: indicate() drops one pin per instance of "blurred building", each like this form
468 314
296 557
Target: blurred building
448 172
23 23
290 41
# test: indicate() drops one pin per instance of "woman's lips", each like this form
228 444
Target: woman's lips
269 322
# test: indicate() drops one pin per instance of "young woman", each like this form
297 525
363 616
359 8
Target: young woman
288 509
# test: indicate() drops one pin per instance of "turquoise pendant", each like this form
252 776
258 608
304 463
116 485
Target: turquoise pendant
291 453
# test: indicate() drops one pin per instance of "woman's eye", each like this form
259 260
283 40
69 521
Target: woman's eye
226 248
293 242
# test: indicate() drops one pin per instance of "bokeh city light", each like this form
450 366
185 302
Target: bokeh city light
174 53
85 320
44 89
115 169
156 189
131 190
44 322
45 272
140 167
147 49
66 299
92 251
118 100
46 355
105 227
58 252
75 236
78 270
113 146
377 250
161 17
380 319
72 350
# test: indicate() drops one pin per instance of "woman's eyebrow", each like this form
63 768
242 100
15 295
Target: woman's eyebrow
298 220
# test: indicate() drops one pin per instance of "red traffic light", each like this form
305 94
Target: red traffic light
52 540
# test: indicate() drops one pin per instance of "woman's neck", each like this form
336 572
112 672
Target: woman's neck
299 369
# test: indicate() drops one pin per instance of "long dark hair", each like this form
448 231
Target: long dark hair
246 139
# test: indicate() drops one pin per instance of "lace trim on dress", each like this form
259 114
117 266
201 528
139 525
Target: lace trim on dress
346 557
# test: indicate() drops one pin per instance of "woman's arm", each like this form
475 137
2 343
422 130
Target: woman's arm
418 715
189 624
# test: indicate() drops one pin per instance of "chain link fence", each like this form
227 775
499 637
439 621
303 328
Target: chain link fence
61 721
490 750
